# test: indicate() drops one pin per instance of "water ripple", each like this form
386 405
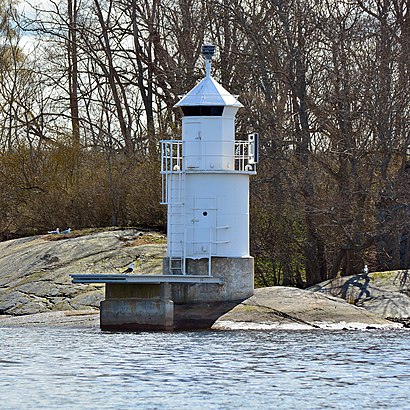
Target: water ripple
88 369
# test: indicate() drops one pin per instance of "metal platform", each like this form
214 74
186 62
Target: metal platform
144 279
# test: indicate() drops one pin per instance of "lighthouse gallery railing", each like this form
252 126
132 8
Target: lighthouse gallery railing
172 160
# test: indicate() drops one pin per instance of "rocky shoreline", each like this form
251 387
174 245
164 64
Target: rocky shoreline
36 288
291 308
64 318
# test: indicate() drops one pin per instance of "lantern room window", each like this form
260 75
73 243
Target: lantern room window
202 110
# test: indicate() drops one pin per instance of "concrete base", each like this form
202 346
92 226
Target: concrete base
189 316
198 306
137 314
237 275
136 307
172 306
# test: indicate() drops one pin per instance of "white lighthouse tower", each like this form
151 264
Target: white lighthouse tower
206 185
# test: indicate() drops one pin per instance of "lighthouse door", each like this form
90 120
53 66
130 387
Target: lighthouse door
204 223
192 141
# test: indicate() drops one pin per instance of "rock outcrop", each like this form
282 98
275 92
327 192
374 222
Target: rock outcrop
292 308
63 318
35 271
386 294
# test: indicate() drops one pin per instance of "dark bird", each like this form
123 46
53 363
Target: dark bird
129 269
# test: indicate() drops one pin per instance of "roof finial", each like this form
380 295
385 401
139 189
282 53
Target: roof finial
208 51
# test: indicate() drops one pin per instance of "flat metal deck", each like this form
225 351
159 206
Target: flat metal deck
143 279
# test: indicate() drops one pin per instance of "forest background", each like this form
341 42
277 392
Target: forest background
86 94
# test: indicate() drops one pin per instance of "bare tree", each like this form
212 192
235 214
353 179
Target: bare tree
73 69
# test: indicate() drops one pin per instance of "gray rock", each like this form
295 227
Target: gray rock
35 271
283 307
383 293
75 319
90 298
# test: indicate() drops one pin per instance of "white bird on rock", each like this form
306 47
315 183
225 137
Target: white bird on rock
68 230
56 232
365 270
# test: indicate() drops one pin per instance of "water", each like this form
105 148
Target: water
61 368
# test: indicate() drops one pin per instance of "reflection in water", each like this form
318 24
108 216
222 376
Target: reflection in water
88 369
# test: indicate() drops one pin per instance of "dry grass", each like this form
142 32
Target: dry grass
148 239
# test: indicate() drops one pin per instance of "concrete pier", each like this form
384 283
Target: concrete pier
136 306
173 302
199 305
236 276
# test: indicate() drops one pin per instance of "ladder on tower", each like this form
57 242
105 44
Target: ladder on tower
176 246
176 265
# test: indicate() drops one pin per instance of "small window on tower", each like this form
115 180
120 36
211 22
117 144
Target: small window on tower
203 110
204 213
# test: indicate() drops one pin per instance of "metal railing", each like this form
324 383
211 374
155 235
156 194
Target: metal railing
171 163
242 156
172 156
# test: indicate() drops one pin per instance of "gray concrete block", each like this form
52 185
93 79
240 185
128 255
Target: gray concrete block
137 314
237 275
133 291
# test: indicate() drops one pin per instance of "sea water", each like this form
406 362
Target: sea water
65 368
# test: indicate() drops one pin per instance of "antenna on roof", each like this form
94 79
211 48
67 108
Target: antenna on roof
208 51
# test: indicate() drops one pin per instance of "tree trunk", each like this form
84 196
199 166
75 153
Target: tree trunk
73 71
115 81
